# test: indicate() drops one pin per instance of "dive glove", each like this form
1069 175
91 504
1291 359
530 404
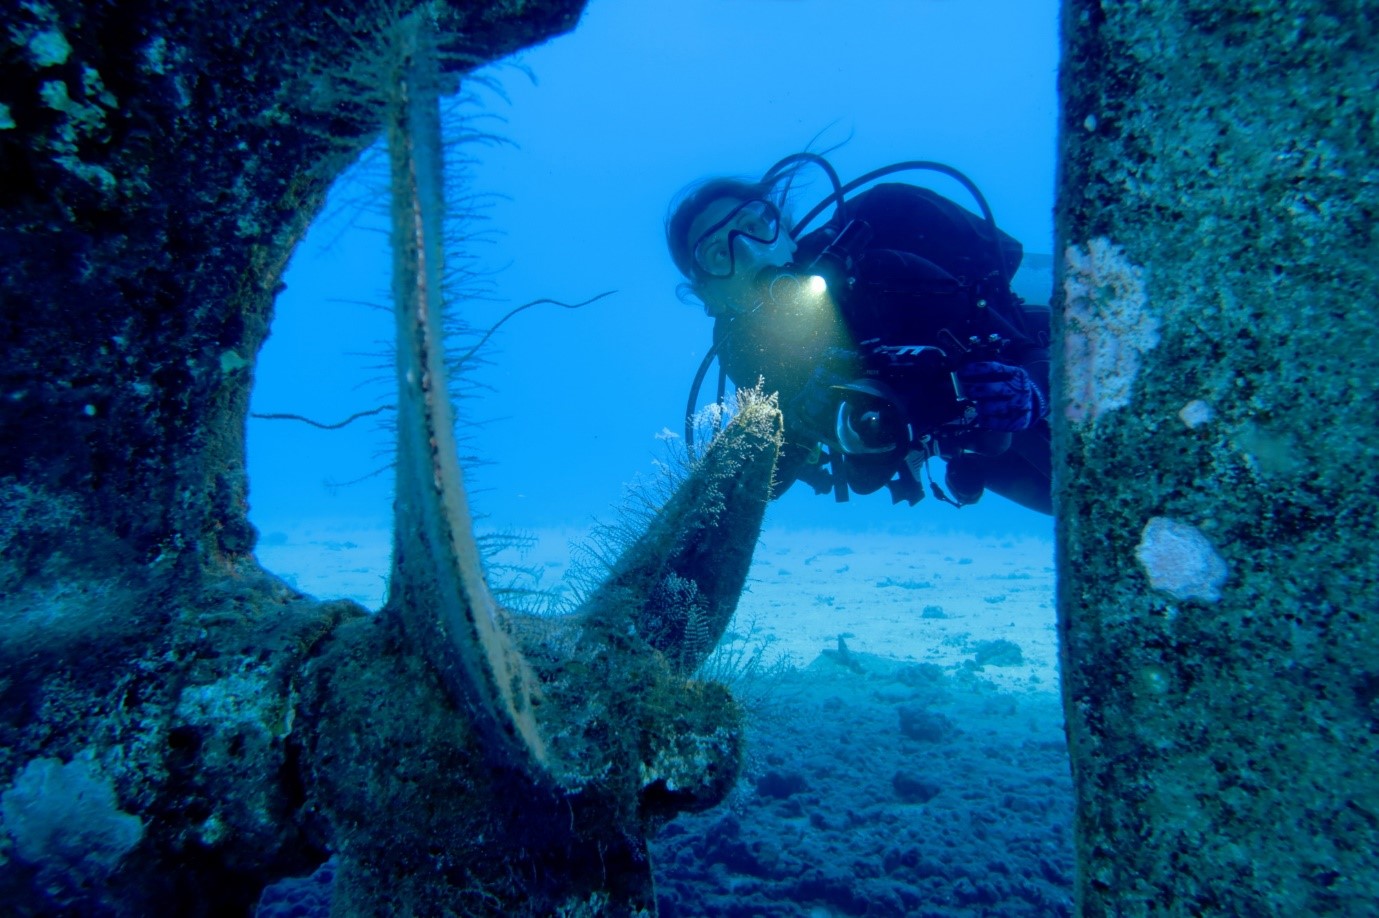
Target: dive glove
1006 397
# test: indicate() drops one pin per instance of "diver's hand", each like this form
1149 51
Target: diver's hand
811 413
1006 397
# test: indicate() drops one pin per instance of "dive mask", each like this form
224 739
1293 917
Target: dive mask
749 236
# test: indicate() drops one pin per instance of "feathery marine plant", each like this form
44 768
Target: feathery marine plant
595 558
457 225
677 616
463 226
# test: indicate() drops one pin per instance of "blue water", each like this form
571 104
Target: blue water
601 128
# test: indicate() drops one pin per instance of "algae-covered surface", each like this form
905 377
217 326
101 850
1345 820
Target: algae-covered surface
905 751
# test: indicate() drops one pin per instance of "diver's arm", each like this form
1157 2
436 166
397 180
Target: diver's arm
800 462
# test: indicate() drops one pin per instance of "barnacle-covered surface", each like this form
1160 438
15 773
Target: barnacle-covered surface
177 727
161 162
1219 454
431 818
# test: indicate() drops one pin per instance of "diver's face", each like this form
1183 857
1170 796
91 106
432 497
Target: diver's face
731 241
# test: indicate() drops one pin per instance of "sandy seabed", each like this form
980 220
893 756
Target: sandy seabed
905 751
928 598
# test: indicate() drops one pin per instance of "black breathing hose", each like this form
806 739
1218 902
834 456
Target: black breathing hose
841 192
779 169
694 392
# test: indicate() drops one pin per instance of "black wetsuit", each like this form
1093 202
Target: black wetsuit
929 275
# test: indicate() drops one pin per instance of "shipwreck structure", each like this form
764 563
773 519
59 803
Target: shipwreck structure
1217 452
178 728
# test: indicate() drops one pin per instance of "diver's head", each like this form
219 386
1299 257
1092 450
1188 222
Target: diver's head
722 234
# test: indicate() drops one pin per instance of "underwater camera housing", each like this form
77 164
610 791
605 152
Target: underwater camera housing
909 393
920 398
922 378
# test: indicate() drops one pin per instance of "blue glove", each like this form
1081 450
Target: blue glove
1006 397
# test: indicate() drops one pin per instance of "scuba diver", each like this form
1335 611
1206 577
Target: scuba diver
890 332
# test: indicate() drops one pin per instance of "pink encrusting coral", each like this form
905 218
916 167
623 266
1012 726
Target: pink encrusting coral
1180 560
1108 328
